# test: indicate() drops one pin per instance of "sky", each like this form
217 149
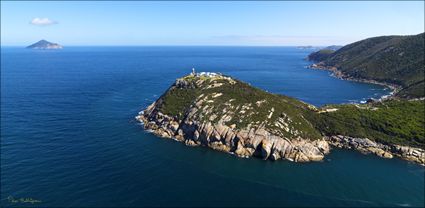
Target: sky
251 23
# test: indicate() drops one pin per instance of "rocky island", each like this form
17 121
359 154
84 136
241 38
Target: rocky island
43 44
225 114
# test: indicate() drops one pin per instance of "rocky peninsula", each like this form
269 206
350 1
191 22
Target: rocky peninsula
225 114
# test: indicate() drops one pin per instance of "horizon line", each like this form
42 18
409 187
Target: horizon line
180 45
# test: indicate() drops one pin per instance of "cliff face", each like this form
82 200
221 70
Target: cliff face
213 119
231 116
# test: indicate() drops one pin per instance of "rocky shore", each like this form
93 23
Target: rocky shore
243 143
368 146
261 143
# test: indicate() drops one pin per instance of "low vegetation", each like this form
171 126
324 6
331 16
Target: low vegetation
235 103
395 60
394 121
320 55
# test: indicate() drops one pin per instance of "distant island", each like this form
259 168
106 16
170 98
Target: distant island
308 47
43 44
332 47
225 114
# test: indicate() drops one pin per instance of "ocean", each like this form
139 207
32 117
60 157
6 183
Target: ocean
69 137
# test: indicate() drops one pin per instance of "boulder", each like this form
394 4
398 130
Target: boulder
266 147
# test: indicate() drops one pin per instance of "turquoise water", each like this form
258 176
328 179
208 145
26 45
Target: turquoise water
68 134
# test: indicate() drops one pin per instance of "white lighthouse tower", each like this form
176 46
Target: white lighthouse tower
193 72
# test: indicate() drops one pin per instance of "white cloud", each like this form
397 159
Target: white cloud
42 21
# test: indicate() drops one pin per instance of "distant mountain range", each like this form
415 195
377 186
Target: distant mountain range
44 44
393 60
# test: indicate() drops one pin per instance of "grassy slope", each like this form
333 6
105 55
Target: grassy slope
177 102
392 59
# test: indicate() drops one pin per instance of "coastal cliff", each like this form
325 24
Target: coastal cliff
228 115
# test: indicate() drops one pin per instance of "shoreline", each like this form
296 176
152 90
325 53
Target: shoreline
388 151
243 143
340 75
325 145
378 149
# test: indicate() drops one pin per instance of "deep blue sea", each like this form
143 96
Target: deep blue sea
69 138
